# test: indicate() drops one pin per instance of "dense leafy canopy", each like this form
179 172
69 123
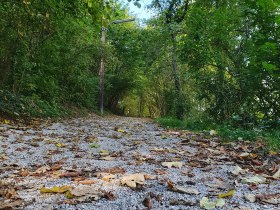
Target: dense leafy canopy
209 60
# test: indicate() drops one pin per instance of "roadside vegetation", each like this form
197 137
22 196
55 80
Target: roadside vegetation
206 64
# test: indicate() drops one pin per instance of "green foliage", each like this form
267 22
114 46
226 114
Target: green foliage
226 131
16 105
50 55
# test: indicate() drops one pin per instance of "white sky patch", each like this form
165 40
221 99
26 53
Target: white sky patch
142 12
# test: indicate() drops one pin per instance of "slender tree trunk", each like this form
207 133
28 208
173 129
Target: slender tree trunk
179 109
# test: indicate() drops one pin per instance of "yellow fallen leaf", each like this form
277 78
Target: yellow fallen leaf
271 152
69 195
121 130
104 152
59 145
6 121
228 194
55 189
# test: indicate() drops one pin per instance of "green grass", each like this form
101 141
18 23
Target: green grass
227 132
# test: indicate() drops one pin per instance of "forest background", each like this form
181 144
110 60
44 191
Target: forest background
200 65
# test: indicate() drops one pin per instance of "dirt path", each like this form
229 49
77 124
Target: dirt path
88 162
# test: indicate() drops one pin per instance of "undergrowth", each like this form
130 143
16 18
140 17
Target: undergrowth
226 131
17 106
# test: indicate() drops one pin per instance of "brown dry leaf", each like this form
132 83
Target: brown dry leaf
109 177
191 191
42 170
24 172
11 204
109 195
77 179
88 182
114 170
3 157
70 174
271 198
56 167
148 202
175 202
7 190
132 180
160 172
149 177
172 164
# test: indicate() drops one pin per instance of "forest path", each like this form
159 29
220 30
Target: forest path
92 158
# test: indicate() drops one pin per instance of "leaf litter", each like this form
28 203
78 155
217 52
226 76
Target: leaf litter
131 163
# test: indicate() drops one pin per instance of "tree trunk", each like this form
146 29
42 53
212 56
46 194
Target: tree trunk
178 103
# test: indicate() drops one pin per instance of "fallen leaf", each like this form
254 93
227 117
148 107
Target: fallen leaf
149 177
93 146
228 194
182 202
59 145
148 202
172 164
114 170
270 198
85 193
160 172
133 179
237 170
107 158
88 182
42 170
108 177
206 204
104 152
11 204
244 155
56 167
212 132
171 186
55 189
250 197
277 174
272 153
24 172
69 174
254 180
220 202
120 130
109 195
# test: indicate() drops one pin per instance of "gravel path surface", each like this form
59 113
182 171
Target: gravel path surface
93 157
